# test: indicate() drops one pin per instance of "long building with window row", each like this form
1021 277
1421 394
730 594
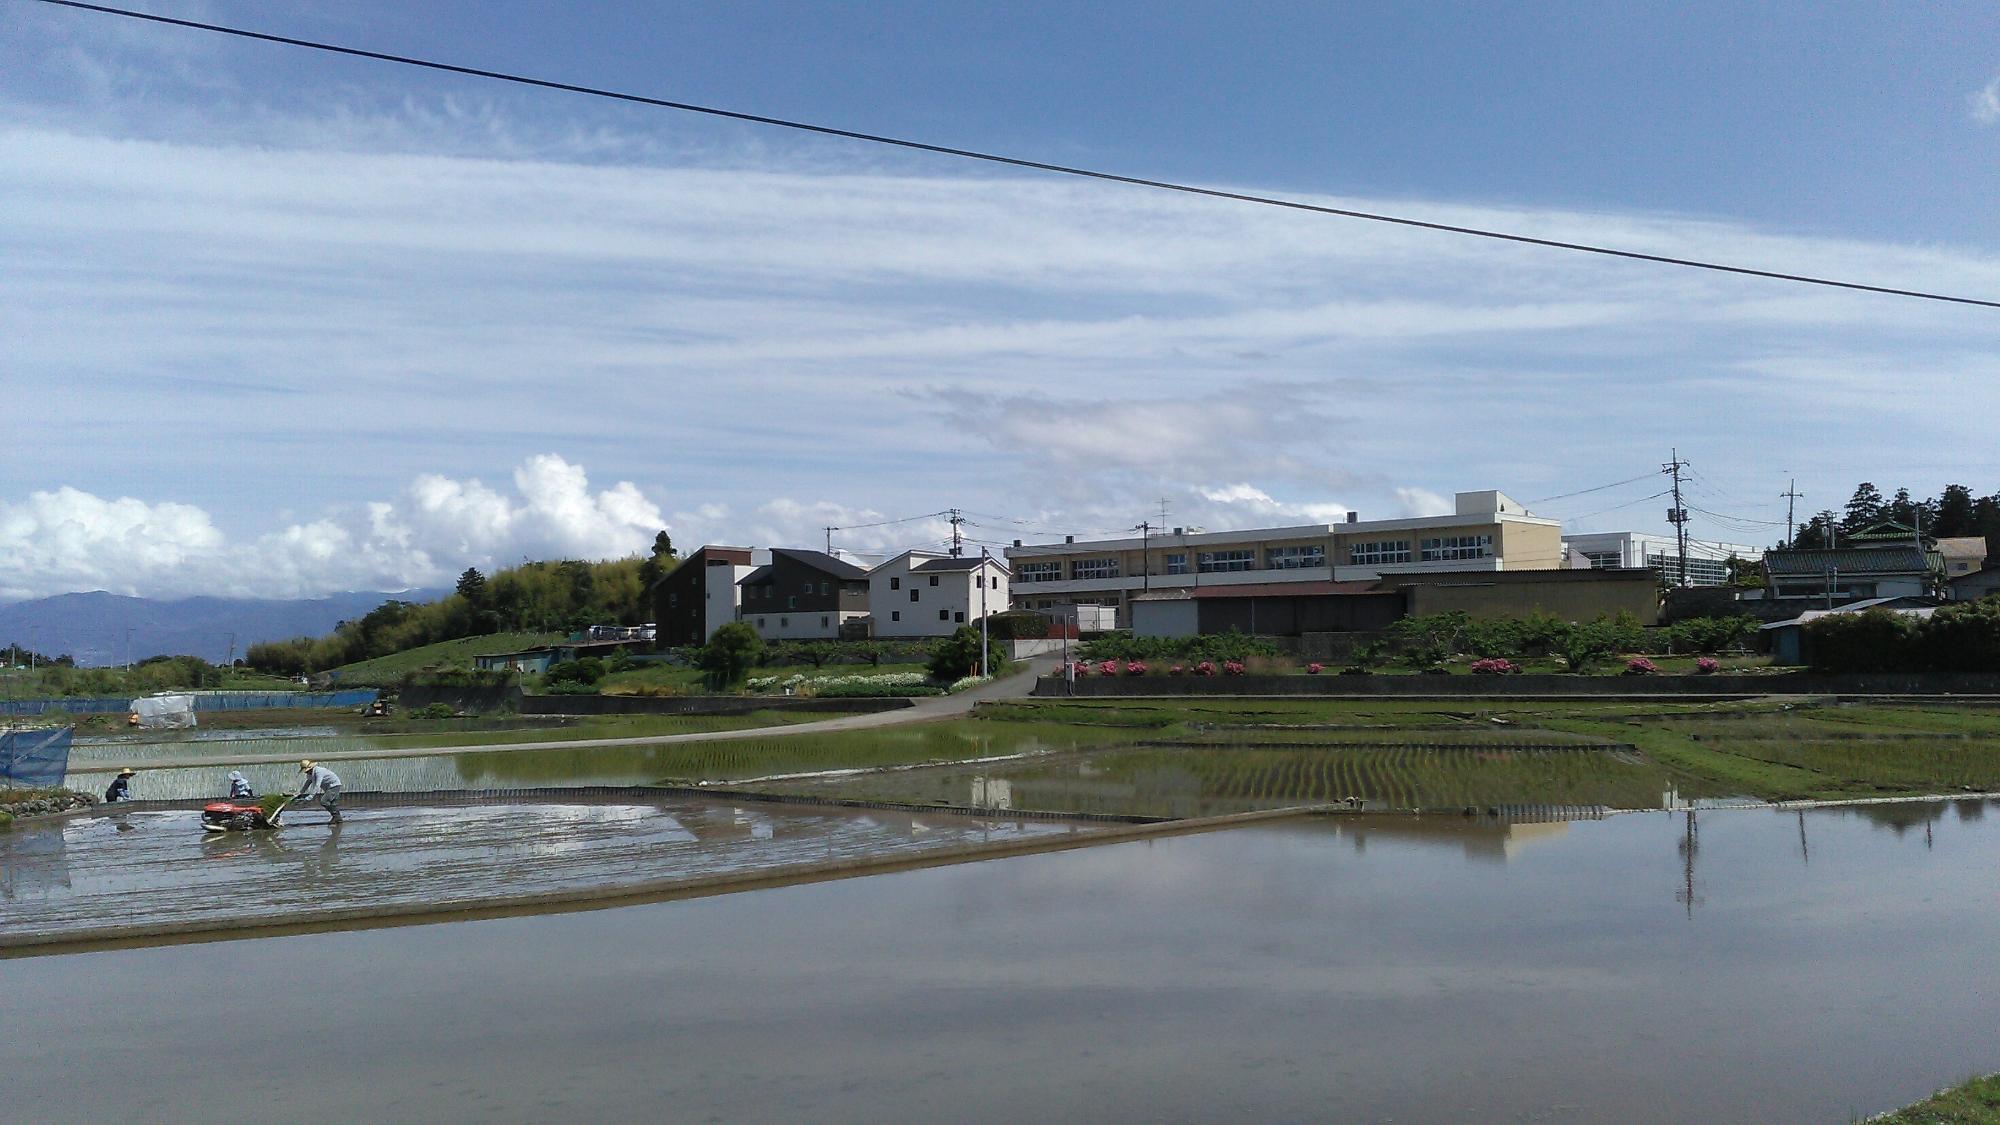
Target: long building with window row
1485 531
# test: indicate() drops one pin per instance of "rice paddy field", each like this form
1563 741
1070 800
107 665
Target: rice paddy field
1190 758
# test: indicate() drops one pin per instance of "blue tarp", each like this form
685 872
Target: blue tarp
35 759
203 701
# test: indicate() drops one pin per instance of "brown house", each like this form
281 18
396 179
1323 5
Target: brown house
699 596
803 595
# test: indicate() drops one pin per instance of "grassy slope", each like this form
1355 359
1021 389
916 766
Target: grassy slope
456 654
1975 1103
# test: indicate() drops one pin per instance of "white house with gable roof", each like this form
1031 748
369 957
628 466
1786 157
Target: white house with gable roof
925 594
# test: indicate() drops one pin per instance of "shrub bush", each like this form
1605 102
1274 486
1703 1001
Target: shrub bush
1706 666
1313 669
1017 625
731 653
1640 666
958 656
589 670
1494 666
1874 641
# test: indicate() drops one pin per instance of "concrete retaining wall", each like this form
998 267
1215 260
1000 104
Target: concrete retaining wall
1794 683
477 700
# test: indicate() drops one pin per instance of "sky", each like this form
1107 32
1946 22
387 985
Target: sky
279 323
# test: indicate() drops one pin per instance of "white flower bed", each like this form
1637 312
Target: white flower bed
969 681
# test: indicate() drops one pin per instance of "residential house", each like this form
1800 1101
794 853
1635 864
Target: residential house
927 594
1963 555
804 595
1979 584
700 595
1787 639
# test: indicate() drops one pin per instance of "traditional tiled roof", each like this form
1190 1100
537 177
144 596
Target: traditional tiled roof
1847 560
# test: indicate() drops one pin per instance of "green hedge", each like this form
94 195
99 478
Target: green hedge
1957 638
1216 647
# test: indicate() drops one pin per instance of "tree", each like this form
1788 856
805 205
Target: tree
1745 573
731 653
1954 513
659 564
958 656
1863 508
1816 533
472 587
1904 510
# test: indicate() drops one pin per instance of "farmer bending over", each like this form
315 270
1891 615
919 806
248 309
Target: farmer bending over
121 787
328 784
239 787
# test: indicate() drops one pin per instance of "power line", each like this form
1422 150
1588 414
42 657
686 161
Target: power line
885 523
1599 488
1627 504
1022 162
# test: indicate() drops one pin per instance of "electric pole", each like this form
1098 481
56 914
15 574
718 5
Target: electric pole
1678 515
955 517
1145 531
984 643
1791 497
829 538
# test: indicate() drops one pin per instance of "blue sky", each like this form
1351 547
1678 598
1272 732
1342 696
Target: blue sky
287 323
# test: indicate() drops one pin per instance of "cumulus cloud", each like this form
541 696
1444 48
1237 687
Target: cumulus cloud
67 539
1986 103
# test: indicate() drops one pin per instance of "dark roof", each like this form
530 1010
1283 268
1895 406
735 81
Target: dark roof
1287 589
968 562
1847 560
759 577
820 560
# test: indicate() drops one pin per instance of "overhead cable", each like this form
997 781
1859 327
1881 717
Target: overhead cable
1022 162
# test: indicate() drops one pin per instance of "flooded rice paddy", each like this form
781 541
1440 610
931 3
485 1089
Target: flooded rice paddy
1743 965
1207 779
121 869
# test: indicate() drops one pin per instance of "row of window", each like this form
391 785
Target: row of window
1452 547
1306 556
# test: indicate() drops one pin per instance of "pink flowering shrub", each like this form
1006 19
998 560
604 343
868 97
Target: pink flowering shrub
1078 668
1494 666
1205 668
1706 666
1640 666
1313 669
1135 667
1234 668
1109 667
1176 670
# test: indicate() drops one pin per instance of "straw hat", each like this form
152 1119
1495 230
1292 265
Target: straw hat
306 763
128 771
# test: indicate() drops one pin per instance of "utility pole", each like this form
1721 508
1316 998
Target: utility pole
829 538
1678 516
231 662
955 518
983 641
1145 531
1791 497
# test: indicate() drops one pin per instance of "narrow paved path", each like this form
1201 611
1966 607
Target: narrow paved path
930 709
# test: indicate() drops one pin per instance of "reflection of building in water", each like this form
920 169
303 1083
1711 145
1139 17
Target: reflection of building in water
1491 839
992 793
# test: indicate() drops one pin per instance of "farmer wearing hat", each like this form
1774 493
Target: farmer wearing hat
326 781
120 788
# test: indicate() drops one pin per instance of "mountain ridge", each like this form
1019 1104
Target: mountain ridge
99 628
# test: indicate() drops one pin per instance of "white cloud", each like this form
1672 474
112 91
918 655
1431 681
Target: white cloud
1986 103
67 539
1413 502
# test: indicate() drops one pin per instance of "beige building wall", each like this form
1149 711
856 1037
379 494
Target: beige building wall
1573 595
1527 546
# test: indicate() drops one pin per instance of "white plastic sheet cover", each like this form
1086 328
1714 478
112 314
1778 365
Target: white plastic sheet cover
164 712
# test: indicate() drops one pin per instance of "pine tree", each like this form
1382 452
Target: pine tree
472 587
1863 509
1954 513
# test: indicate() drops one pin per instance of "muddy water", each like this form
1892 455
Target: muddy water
1762 967
159 870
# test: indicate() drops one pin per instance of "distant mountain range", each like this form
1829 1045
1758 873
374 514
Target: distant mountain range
101 629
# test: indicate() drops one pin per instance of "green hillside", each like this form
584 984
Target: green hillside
445 654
